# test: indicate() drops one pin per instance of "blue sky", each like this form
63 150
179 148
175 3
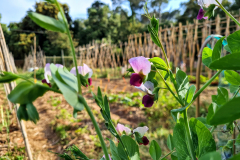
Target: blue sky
15 10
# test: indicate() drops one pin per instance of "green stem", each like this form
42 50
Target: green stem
72 46
95 126
221 6
167 155
205 85
213 128
49 88
170 89
189 137
236 93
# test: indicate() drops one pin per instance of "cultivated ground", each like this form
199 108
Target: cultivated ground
56 129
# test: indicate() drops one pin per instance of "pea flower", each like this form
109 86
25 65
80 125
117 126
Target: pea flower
141 131
141 67
83 70
148 99
47 72
205 4
108 156
120 128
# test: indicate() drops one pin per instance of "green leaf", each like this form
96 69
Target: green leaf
155 24
216 54
50 1
190 94
211 156
222 96
204 121
173 157
114 151
106 105
68 78
207 56
210 11
229 112
22 112
7 77
60 18
170 143
229 144
68 92
236 157
159 63
179 140
131 147
211 111
155 150
32 113
47 23
154 36
182 83
99 95
202 137
228 62
233 88
234 41
26 92
232 77
227 48
237 142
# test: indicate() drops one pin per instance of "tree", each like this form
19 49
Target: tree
158 4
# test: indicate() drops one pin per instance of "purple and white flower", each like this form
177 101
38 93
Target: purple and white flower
148 99
83 70
120 128
205 4
47 72
141 67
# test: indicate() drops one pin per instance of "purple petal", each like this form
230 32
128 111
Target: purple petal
200 14
145 140
47 72
147 101
45 81
120 128
59 65
87 70
108 156
136 80
140 65
90 81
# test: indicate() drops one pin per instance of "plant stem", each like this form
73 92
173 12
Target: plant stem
213 128
189 137
72 46
167 155
221 6
236 93
49 88
205 85
170 89
95 126
236 125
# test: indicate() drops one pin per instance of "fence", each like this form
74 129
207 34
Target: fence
182 43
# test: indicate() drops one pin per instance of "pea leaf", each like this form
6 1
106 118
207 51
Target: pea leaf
228 62
202 137
211 156
114 151
233 88
207 56
26 92
155 24
229 112
236 157
237 142
182 83
222 96
22 112
32 113
190 94
131 146
7 77
217 49
234 41
227 48
154 36
68 92
170 143
211 111
210 11
159 63
47 23
68 78
155 150
232 77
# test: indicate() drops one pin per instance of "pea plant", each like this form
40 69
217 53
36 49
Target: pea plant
192 139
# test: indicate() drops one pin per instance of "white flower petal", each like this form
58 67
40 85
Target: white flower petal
141 130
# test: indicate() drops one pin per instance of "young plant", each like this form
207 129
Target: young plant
191 139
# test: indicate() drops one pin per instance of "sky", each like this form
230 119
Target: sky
15 10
